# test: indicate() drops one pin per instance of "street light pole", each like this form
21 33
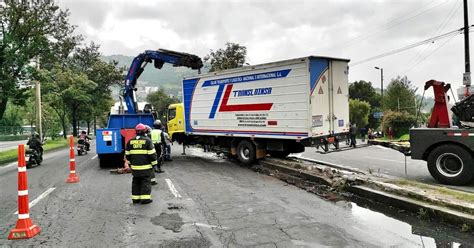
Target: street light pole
38 105
381 83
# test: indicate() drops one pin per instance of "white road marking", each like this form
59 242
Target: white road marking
94 156
208 226
384 159
382 147
40 197
172 188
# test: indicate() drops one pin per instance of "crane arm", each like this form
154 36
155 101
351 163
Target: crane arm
159 58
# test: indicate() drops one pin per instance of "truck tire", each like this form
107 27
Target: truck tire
279 154
102 163
451 164
246 152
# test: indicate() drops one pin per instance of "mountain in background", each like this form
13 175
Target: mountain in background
168 77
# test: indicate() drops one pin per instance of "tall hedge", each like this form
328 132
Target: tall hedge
401 122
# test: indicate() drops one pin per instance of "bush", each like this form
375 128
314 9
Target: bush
359 112
401 122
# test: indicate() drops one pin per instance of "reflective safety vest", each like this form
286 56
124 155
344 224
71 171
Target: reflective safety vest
140 153
156 136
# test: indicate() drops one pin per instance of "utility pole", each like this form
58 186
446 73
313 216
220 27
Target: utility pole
467 63
38 104
381 83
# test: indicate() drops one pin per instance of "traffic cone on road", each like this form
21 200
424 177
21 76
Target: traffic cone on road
24 228
73 178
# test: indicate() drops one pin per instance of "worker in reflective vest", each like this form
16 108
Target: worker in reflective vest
153 178
158 138
142 156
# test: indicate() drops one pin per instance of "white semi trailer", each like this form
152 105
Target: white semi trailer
275 108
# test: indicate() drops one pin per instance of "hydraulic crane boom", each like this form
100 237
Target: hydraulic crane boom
158 57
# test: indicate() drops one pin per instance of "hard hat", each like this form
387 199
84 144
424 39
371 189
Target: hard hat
157 123
148 128
140 128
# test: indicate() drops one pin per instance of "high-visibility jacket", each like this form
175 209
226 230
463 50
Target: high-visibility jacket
141 155
157 136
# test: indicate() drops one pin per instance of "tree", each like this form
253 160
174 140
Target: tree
28 29
359 112
160 101
66 91
399 121
232 56
364 91
400 96
87 60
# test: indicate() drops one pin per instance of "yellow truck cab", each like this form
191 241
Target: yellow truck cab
176 122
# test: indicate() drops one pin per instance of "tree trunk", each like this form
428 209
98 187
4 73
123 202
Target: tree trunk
3 106
74 121
95 125
63 123
88 127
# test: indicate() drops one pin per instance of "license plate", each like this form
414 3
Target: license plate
331 140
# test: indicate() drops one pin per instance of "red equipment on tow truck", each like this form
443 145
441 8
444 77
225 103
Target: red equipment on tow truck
448 150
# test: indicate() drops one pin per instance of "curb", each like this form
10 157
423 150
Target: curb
296 172
448 215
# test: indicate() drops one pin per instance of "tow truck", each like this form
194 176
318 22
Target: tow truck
120 127
448 149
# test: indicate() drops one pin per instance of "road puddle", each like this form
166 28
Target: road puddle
172 222
421 232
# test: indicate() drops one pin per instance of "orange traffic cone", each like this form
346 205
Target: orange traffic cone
24 228
73 178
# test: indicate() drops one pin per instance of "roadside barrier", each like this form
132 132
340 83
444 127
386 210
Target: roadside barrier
73 178
24 228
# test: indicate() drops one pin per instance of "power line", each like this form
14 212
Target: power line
419 56
445 35
432 52
391 24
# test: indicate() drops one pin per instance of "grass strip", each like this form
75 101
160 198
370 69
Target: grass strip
459 195
11 155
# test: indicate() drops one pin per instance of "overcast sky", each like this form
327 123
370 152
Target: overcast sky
276 30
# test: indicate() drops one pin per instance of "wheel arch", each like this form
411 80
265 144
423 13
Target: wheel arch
433 146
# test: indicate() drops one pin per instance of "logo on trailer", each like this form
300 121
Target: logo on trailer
224 91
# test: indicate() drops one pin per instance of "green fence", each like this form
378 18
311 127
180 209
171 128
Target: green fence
10 133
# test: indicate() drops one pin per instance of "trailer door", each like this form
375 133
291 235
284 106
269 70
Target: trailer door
319 95
339 96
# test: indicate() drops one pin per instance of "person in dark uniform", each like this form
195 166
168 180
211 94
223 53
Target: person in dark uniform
353 133
35 143
141 155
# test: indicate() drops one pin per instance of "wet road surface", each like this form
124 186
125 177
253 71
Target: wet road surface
201 201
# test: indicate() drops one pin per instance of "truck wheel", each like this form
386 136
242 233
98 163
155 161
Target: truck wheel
451 164
246 152
102 163
278 154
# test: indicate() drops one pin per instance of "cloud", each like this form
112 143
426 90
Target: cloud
274 30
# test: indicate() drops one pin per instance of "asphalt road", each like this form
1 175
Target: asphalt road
7 145
379 160
200 201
